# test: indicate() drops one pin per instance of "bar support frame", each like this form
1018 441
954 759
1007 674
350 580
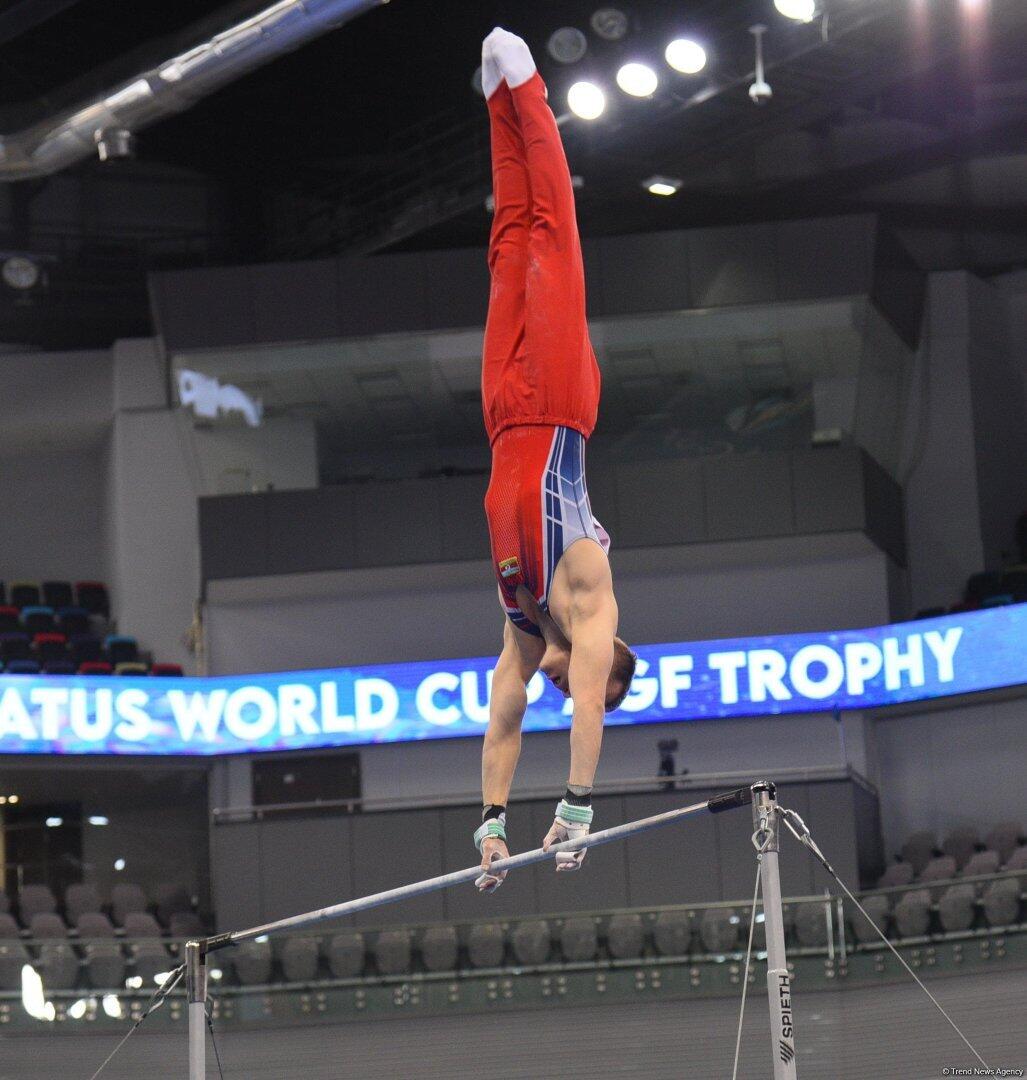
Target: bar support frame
196 994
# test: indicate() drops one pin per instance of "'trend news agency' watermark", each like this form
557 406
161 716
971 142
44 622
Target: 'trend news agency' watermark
977 1070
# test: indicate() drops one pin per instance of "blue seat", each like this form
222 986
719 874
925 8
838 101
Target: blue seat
37 619
23 667
998 600
72 620
121 649
15 646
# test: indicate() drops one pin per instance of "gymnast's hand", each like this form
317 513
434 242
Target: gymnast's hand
571 823
492 847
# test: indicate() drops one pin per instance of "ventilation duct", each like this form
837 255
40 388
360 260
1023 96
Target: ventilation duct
171 87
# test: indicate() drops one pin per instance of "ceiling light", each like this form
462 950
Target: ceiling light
567 45
638 80
662 185
686 56
119 864
611 24
12 799
21 272
586 100
800 10
98 819
54 822
3 799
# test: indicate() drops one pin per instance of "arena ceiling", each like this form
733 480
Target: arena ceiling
373 138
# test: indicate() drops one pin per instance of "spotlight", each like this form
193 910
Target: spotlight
567 45
54 822
20 272
611 24
638 80
119 864
99 819
686 56
12 799
759 91
662 185
800 10
586 100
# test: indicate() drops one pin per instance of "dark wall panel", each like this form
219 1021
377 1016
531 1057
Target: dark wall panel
235 860
306 863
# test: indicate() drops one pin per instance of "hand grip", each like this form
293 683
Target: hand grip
729 800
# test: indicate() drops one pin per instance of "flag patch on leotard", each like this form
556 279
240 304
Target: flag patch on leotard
509 567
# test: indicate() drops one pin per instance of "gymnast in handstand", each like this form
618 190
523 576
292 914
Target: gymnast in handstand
540 395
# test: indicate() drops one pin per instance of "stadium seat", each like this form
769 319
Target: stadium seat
392 951
105 962
121 649
978 586
8 927
127 899
672 933
35 900
912 913
58 594
253 962
625 936
80 899
145 947
956 910
941 868
299 957
171 899
718 929
3 592
918 849
59 667
897 873
22 667
579 940
346 954
13 957
998 600
95 667
15 646
92 595
37 619
167 670
1003 838
56 961
72 621
1017 860
185 924
961 843
439 948
879 909
50 646
131 668
85 648
23 594
5 903
10 619
1001 902
531 941
486 945
982 862
811 925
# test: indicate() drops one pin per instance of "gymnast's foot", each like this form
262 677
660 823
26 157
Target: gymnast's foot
511 56
491 76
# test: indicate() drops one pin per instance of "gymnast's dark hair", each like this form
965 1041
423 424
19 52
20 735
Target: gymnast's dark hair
621 674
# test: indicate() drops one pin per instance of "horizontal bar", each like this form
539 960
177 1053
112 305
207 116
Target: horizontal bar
459 877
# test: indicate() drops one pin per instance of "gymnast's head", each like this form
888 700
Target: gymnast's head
556 662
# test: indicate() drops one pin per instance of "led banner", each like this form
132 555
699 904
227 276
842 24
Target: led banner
848 669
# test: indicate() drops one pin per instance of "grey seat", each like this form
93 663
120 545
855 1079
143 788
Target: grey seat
1018 859
253 962
146 948
48 926
346 954
672 933
93 924
56 960
439 948
718 929
5 903
897 873
299 957
960 844
1004 838
982 862
184 925
13 957
940 869
126 899
918 849
8 927
140 924
625 936
80 899
105 961
912 913
392 952
172 899
956 910
486 945
579 939
811 925
1001 902
879 909
35 900
531 941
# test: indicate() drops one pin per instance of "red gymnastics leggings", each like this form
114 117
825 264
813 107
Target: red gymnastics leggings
538 366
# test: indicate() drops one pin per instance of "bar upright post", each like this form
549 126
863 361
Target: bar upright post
196 990
766 820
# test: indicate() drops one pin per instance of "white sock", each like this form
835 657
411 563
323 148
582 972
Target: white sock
512 55
491 76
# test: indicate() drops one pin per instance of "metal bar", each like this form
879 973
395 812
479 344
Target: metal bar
196 991
459 877
779 990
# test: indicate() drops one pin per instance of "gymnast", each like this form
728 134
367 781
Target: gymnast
540 395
